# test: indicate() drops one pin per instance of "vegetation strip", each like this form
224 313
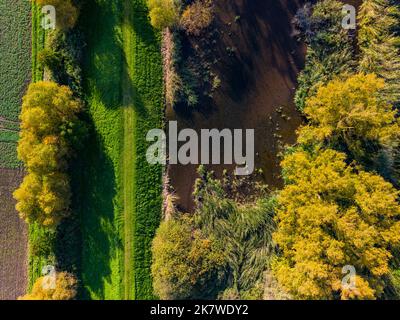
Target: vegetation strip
117 264
35 262
129 154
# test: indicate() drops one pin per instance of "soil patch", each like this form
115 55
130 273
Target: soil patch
13 239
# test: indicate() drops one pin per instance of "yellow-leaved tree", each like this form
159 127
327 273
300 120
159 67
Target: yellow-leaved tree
48 124
66 13
163 13
64 288
331 215
350 112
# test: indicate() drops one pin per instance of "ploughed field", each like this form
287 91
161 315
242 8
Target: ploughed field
15 75
13 239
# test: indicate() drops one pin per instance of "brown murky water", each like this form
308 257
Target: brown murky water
258 85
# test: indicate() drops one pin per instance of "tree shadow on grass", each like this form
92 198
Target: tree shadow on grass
96 183
94 177
95 202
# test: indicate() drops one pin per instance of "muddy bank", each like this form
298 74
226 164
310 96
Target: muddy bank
258 67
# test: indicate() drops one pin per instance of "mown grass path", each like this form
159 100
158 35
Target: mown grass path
120 193
128 169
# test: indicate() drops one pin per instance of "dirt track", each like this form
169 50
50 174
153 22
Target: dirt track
256 81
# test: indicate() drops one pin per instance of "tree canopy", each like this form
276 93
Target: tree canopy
163 13
350 112
48 123
66 13
186 264
331 215
380 45
65 288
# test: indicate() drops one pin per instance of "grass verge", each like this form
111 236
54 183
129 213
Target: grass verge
119 192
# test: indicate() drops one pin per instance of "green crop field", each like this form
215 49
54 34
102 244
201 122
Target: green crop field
119 194
15 66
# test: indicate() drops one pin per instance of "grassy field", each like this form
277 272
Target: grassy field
119 194
15 68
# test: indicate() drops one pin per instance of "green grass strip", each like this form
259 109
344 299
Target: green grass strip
36 262
120 193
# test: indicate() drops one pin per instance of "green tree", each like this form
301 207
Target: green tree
243 229
186 264
329 47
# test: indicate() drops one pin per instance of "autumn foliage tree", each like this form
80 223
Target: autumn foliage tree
197 17
352 113
66 13
49 123
331 215
65 288
163 13
380 44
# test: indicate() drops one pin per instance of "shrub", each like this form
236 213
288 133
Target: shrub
42 244
163 13
197 17
64 58
49 58
65 288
